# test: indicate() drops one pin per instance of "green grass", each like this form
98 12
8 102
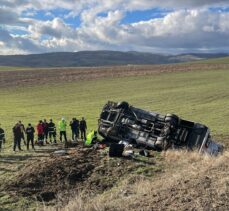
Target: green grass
198 96
224 60
8 68
201 96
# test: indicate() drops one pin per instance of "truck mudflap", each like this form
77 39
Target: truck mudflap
212 148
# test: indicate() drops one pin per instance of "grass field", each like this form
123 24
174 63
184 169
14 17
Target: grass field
197 96
7 68
201 96
223 60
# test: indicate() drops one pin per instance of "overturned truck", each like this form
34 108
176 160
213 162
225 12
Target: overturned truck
122 122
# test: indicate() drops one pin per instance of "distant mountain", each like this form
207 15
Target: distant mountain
98 58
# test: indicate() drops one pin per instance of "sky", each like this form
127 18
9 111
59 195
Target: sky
156 26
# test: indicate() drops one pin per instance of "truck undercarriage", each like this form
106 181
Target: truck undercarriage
122 122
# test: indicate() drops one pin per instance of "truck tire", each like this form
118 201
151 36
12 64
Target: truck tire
172 118
116 150
160 143
123 105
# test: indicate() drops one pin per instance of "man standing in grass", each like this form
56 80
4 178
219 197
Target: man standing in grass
46 131
17 136
52 131
83 128
62 128
74 127
22 132
2 137
30 135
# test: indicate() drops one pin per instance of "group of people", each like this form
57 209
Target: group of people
46 132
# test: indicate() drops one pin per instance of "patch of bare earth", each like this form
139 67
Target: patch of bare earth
190 182
53 75
83 171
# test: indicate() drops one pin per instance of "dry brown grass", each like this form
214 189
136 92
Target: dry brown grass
190 182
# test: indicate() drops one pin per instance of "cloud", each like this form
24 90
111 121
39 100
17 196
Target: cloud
55 28
17 44
5 36
181 30
189 26
176 4
8 17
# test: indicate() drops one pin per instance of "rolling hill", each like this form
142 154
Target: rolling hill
98 58
223 60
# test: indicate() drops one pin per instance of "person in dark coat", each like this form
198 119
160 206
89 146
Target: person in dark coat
77 128
17 136
22 132
83 128
52 131
30 135
74 124
46 131
2 137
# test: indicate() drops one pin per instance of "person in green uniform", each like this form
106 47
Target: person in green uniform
91 138
62 128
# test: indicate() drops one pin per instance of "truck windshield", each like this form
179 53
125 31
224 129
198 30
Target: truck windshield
104 115
112 116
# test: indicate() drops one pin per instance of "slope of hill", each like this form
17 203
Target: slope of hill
188 181
97 58
223 60
165 181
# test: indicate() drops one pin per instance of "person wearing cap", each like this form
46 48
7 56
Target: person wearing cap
62 128
2 137
52 131
30 136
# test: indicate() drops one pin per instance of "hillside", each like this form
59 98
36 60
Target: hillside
98 58
85 179
223 60
185 181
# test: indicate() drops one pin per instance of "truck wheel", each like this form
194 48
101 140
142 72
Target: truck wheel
172 118
116 150
123 105
160 143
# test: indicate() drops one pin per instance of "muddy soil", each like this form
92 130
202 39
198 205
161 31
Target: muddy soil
56 178
54 75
